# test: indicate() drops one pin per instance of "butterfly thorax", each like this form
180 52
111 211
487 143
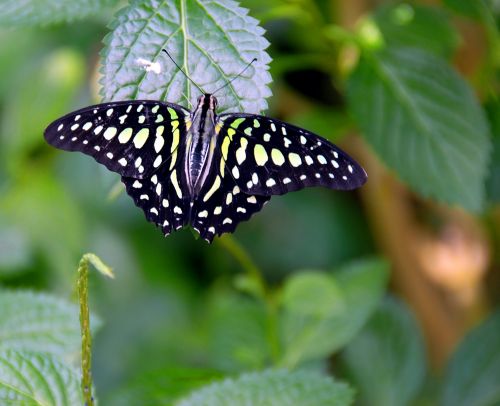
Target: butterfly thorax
200 143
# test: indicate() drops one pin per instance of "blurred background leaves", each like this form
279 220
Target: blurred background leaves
418 81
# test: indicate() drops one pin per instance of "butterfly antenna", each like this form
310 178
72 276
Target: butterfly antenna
237 76
184 73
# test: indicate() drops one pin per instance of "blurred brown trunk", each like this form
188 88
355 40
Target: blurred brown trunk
439 274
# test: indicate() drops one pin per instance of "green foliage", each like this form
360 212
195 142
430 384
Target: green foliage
273 388
50 222
387 359
33 379
211 41
161 387
405 25
424 121
165 338
472 375
38 322
342 303
237 333
468 8
34 12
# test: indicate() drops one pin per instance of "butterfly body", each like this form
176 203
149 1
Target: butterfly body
198 168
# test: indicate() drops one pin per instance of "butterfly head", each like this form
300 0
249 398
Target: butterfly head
207 101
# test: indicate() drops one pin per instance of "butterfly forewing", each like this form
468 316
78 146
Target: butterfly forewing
268 157
132 138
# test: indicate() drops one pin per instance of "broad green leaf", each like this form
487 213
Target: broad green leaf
424 121
315 335
472 376
212 41
390 341
237 333
273 388
43 12
32 379
417 26
38 322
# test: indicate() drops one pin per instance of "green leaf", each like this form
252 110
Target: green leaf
211 41
32 379
273 388
43 12
417 26
309 334
471 378
313 294
237 333
38 322
424 121
391 340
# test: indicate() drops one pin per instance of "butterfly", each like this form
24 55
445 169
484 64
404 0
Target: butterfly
199 168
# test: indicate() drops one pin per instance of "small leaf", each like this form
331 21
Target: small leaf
99 265
43 12
391 340
472 376
312 294
38 322
315 335
211 41
424 121
273 388
32 379
417 26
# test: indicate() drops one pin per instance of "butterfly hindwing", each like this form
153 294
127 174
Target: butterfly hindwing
268 157
132 138
221 205
162 195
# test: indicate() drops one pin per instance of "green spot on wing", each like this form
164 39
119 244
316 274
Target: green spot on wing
235 124
173 113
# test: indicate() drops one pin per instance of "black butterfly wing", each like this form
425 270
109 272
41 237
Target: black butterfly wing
132 138
162 195
142 140
269 157
221 204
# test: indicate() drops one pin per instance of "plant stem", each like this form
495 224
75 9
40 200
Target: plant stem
256 283
83 274
83 293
